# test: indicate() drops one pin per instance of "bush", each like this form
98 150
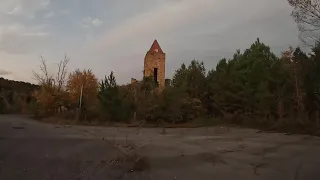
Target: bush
170 106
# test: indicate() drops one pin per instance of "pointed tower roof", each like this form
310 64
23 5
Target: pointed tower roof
156 47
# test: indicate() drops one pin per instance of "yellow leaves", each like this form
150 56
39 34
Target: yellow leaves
86 80
50 97
45 99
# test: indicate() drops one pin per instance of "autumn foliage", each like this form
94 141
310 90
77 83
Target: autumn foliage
85 81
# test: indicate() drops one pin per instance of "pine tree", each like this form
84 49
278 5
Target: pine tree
112 103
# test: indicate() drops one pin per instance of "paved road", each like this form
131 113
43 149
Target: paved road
32 150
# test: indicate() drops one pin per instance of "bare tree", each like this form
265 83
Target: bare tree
294 68
62 72
45 78
306 14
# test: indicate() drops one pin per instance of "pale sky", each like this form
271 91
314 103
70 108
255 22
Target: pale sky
106 35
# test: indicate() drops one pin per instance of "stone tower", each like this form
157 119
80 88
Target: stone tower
155 64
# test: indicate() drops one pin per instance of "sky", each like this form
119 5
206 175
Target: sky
114 35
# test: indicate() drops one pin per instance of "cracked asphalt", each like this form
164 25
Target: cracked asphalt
32 150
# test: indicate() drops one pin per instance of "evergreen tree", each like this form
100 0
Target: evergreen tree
312 84
112 103
192 79
243 87
179 79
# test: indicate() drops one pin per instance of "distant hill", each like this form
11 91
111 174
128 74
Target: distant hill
18 86
15 96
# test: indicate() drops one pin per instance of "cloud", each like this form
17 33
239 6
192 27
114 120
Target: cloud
3 72
17 38
91 22
173 16
49 14
159 19
22 7
211 28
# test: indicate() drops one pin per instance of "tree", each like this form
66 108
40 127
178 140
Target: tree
243 88
83 83
217 84
52 87
56 81
170 106
196 79
312 84
306 14
144 95
191 79
293 66
185 95
112 100
179 79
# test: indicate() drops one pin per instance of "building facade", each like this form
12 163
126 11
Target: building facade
155 64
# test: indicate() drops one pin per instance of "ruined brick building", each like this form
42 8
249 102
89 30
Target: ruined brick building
155 65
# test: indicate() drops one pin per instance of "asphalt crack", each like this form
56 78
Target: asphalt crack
257 166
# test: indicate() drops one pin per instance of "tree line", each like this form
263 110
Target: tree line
15 95
253 88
